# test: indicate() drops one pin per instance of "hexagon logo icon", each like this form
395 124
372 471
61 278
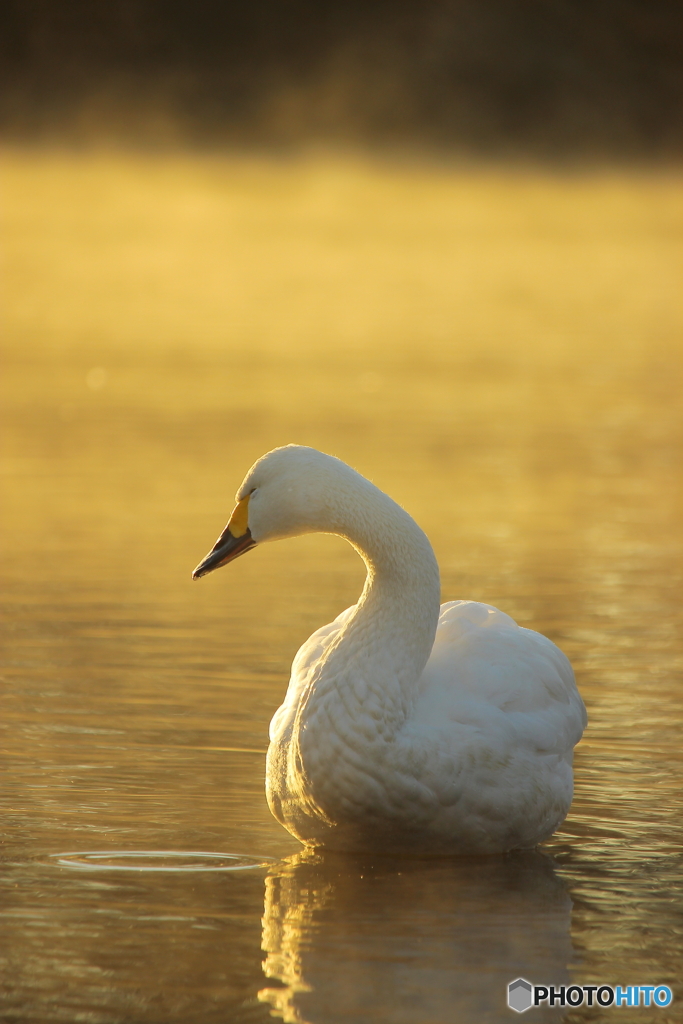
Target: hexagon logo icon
519 995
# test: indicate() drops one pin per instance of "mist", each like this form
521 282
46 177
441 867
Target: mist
531 78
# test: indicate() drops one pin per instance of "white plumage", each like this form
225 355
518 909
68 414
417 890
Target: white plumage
405 726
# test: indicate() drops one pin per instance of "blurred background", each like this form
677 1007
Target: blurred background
441 240
534 77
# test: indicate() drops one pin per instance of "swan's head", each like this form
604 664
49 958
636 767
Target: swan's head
289 491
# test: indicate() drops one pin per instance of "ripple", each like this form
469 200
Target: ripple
157 860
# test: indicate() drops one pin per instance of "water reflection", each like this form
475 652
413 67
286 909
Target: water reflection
355 940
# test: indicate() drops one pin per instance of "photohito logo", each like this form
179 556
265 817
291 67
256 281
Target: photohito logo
522 995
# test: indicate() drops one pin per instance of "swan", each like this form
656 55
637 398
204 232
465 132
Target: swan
406 726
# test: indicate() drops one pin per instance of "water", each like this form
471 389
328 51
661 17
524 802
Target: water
498 350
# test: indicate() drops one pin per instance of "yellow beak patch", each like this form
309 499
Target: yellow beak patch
239 520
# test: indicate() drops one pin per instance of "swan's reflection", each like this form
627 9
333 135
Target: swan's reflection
355 940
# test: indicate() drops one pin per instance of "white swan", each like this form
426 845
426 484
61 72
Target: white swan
405 726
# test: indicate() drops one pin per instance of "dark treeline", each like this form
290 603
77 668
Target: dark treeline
527 77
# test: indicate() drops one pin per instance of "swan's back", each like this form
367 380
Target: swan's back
484 667
500 707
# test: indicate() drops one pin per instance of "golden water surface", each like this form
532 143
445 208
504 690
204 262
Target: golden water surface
499 350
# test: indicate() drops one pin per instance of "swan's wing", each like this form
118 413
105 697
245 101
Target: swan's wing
501 680
305 661
493 728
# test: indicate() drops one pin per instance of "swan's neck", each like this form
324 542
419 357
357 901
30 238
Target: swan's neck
370 672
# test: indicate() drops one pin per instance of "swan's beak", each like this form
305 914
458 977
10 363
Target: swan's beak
233 542
226 549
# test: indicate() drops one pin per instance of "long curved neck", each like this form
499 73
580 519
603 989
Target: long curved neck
375 662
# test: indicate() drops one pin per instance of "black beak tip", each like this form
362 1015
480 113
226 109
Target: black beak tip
205 566
227 548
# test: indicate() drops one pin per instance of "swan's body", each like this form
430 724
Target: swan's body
405 725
